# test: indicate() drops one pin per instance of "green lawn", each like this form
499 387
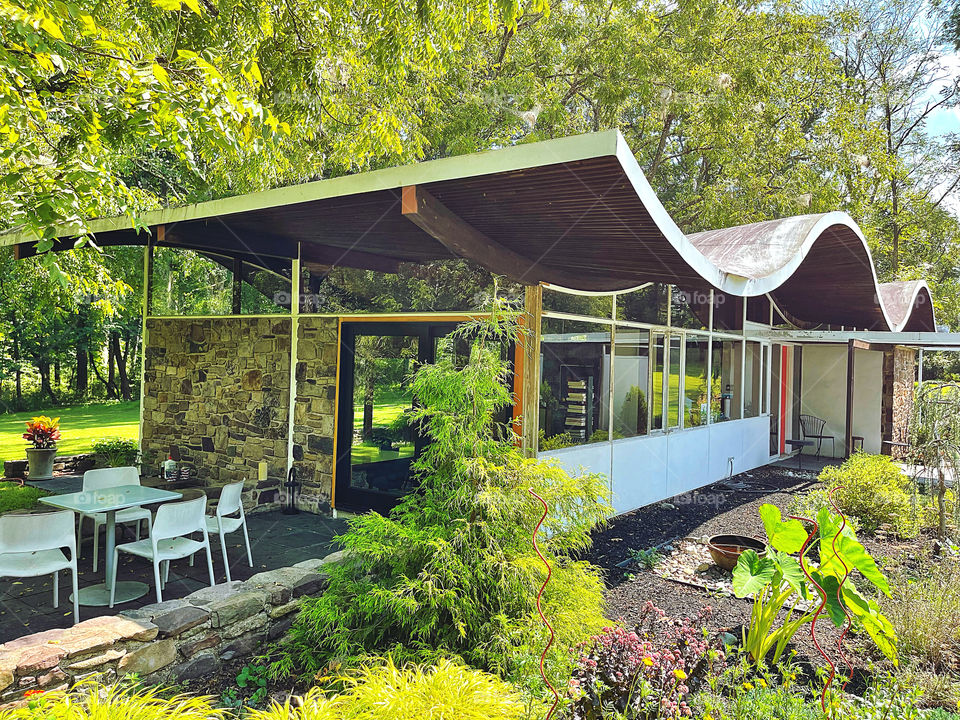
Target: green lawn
80 427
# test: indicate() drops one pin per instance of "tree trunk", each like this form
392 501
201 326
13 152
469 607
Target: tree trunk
108 384
942 504
120 359
43 367
368 411
111 372
82 371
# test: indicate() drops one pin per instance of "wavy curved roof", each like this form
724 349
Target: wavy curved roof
818 269
574 211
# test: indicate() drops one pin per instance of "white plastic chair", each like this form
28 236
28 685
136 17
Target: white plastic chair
229 504
168 541
107 478
32 545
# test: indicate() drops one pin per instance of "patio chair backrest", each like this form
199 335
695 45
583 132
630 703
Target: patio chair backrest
179 519
229 502
110 477
38 531
811 425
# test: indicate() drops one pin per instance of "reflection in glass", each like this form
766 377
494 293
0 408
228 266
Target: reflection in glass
673 389
381 398
725 403
630 377
647 305
656 392
754 374
574 383
689 309
695 382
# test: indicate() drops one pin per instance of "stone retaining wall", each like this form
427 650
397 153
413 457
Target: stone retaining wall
165 642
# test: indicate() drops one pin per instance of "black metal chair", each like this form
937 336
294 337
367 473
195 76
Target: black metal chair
812 428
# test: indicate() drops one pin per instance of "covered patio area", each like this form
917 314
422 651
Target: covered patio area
276 541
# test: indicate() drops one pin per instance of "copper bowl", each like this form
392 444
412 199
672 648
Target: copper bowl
726 549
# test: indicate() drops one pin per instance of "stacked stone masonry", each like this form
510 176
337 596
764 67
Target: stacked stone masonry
315 411
168 642
217 393
899 375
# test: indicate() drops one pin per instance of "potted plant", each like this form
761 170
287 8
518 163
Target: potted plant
43 433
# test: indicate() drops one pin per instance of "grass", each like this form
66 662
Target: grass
13 496
80 427
390 407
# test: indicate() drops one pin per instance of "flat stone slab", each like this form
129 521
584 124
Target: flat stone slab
149 658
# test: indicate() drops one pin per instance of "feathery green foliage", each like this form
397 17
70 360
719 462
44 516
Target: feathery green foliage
90 701
387 692
452 569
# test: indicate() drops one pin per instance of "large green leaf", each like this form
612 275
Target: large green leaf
791 572
878 627
855 555
752 573
788 536
833 608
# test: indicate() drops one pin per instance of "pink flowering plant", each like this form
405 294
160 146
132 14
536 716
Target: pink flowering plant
644 673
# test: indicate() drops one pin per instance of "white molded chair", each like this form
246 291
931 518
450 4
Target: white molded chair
229 504
32 545
106 478
168 541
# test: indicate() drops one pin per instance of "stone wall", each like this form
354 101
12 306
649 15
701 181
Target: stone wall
168 642
217 393
899 375
315 411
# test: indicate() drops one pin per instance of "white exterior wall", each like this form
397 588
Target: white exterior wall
648 469
824 394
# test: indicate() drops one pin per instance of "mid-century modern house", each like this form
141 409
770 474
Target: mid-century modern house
665 361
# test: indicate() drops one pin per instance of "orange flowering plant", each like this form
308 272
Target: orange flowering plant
43 432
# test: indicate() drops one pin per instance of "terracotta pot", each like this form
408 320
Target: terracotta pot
726 549
41 463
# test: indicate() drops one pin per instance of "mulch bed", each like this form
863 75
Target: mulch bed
730 506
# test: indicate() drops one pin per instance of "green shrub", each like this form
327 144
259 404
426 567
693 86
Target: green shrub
90 701
452 569
385 692
116 452
873 491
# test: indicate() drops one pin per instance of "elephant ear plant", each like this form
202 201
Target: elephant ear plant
786 577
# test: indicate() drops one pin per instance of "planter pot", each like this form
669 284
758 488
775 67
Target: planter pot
726 549
41 463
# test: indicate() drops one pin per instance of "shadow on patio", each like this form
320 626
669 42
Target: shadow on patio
276 540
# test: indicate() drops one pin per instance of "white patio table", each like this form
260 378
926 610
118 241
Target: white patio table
108 501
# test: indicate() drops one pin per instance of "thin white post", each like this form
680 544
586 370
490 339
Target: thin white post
920 369
145 310
710 361
294 338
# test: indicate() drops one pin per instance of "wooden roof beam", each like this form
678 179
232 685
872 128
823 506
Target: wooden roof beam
464 240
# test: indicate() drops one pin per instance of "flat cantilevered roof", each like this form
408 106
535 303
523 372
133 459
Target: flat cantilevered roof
575 211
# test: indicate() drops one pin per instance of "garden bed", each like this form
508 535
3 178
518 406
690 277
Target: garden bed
677 529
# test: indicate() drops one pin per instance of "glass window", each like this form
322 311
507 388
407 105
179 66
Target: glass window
382 397
656 390
753 391
598 306
187 283
631 375
725 369
689 309
574 383
647 305
673 386
433 286
696 406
